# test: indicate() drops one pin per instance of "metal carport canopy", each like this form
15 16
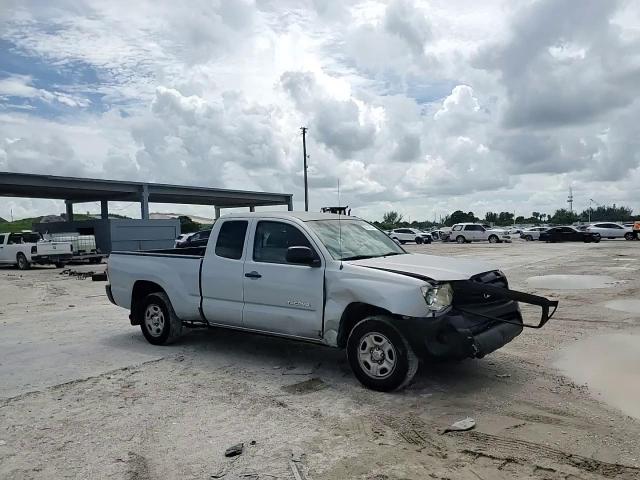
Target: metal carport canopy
79 190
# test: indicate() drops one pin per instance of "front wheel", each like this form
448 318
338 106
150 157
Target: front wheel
628 236
419 240
460 239
380 356
23 263
159 323
528 238
493 239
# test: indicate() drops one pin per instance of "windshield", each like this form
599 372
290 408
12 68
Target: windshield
358 239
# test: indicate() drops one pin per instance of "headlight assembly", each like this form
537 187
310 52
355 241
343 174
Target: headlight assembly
438 297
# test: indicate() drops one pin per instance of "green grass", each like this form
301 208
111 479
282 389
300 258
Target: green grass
27 223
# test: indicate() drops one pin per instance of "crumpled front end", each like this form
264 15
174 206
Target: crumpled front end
484 316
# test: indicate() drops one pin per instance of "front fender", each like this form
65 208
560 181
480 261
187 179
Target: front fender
398 294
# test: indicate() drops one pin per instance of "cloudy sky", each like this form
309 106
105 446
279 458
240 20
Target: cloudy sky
420 106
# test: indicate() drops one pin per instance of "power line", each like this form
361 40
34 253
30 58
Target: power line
304 156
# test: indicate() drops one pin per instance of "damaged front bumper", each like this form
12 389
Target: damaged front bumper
475 330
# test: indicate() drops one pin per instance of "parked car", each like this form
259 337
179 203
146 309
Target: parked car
25 248
475 232
404 235
181 239
569 234
326 279
611 230
198 239
532 233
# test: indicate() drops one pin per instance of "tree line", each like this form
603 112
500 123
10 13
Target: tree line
562 216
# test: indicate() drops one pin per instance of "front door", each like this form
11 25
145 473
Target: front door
280 297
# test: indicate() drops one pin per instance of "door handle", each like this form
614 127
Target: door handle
253 274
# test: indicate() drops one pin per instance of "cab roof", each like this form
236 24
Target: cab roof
302 216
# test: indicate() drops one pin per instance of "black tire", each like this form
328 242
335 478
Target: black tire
528 238
95 261
494 239
596 240
22 262
59 264
460 239
628 236
171 326
419 240
405 363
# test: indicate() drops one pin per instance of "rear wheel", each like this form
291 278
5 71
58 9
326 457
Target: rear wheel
460 239
493 239
159 323
380 356
23 263
59 264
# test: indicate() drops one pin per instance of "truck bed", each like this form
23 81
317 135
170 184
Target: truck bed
176 269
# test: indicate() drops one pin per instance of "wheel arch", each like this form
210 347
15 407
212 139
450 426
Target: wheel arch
142 288
354 313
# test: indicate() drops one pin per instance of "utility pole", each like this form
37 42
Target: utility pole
570 199
304 154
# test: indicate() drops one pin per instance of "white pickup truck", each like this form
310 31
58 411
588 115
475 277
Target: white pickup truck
25 248
322 278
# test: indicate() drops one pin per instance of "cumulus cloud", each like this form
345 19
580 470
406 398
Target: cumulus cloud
420 107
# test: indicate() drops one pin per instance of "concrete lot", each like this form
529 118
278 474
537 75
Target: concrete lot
82 395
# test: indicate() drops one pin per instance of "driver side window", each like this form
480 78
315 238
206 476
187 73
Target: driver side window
272 239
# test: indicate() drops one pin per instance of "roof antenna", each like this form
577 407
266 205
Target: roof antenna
339 225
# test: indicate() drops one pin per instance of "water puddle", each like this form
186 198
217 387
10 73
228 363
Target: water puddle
610 366
629 306
571 282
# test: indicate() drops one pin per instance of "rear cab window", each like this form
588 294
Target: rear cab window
230 242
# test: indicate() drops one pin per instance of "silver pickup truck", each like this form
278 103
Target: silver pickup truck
327 279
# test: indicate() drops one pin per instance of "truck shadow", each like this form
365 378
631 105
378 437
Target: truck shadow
290 360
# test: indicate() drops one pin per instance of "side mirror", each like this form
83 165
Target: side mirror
302 256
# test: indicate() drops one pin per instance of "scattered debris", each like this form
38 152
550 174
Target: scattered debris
295 470
252 442
461 425
503 375
78 275
234 450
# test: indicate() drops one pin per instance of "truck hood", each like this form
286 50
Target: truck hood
434 267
